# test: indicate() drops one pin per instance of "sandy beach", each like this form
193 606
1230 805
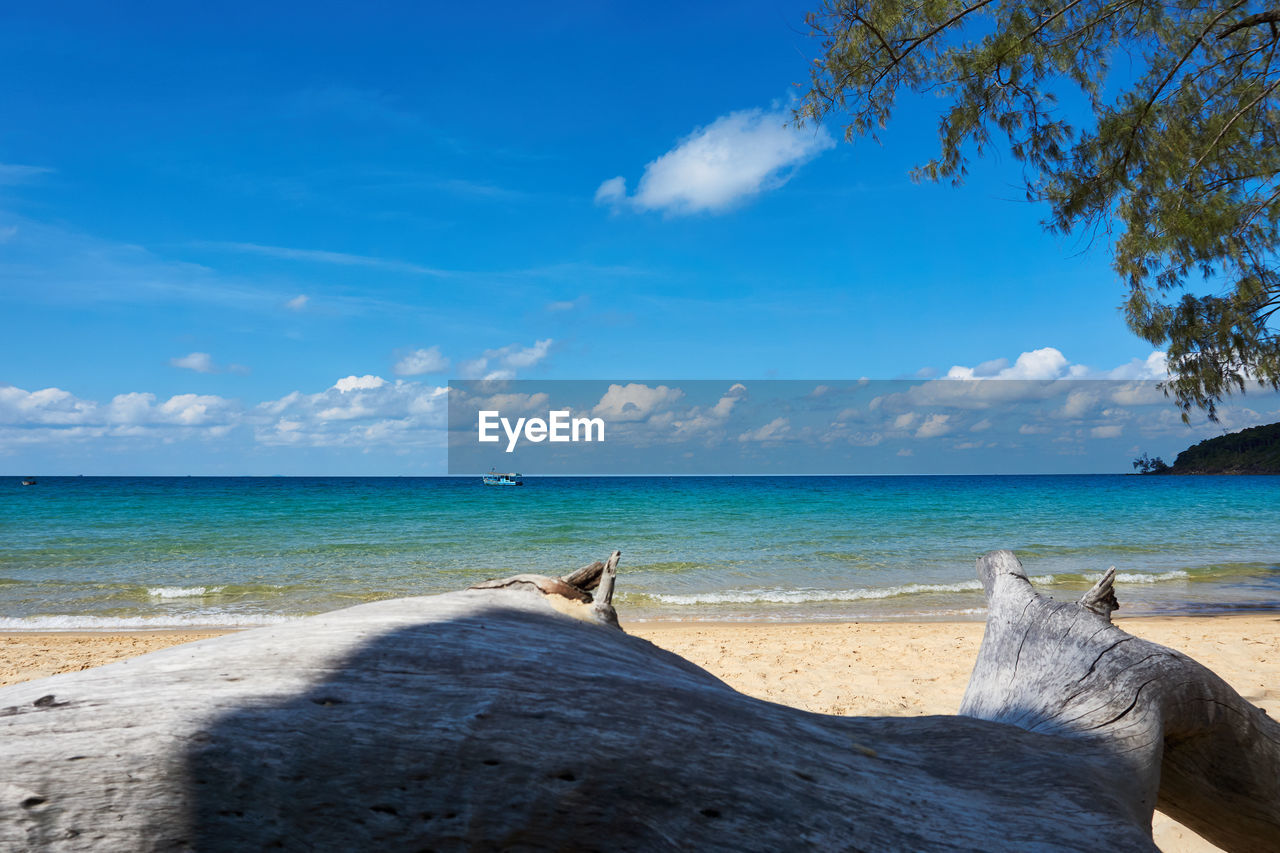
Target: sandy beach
866 668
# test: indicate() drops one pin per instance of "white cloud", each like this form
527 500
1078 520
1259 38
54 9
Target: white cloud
906 451
1139 393
356 411
1108 431
634 401
56 407
934 426
612 190
503 363
191 409
1049 363
735 157
1079 403
359 383
699 420
772 431
518 356
422 361
46 406
1154 366
1044 363
200 362
298 302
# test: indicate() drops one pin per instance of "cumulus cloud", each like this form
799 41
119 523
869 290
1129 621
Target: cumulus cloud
1044 363
421 361
634 401
503 363
1154 366
734 158
356 411
46 406
298 302
700 420
934 426
54 407
772 431
359 383
1048 363
200 362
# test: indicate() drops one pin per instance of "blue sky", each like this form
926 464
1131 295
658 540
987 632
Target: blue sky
209 216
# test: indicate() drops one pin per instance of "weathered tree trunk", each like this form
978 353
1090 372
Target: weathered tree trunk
1191 745
518 715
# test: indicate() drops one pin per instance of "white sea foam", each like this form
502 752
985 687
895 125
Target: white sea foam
181 591
1143 577
801 596
140 623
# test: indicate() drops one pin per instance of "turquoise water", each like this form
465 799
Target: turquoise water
156 552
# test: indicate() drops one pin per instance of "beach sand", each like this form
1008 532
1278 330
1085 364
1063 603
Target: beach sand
866 668
28 655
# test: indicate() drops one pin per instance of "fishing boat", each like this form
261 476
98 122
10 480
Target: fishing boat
494 478
29 482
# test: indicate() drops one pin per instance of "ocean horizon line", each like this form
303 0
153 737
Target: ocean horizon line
771 476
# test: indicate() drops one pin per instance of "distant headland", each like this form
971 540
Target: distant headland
1255 450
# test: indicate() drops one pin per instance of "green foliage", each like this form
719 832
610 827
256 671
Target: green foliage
1181 169
1251 451
1145 464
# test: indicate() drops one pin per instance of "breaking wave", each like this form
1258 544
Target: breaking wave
182 591
802 596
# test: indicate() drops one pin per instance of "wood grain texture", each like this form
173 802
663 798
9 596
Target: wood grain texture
510 718
1190 743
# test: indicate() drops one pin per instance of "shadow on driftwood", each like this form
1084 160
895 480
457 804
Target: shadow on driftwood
509 730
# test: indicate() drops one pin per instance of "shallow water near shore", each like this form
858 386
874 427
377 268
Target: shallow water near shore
119 553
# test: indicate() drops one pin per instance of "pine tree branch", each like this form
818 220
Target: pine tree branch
1271 17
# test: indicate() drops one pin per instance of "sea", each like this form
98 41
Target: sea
112 553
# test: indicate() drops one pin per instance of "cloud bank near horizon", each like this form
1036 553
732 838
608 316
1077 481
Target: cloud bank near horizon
1039 402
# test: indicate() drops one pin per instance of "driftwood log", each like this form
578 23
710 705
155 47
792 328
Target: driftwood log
517 715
